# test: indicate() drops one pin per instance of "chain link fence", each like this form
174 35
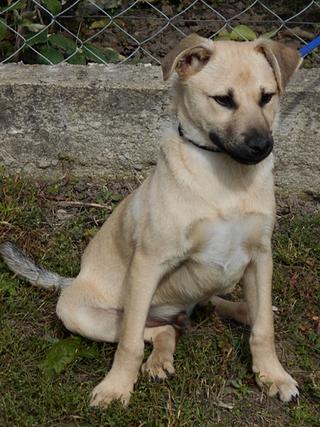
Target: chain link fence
104 31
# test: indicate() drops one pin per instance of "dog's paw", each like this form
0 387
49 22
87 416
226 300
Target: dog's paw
107 391
286 388
279 382
158 366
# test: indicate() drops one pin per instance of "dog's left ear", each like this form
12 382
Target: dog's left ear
188 57
283 59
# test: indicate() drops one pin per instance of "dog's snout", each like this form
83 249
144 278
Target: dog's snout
253 147
259 143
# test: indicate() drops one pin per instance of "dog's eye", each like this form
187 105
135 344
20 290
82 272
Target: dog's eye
226 101
265 99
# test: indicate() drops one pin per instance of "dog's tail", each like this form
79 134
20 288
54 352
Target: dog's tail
26 268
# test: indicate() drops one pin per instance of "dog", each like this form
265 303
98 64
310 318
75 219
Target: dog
198 225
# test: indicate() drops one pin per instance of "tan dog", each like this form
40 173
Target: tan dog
198 225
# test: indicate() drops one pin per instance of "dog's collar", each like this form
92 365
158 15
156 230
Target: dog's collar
203 147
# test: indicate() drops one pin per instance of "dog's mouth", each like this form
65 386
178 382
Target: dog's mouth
251 152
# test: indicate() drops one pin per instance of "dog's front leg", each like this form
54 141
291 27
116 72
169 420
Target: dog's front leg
265 363
142 279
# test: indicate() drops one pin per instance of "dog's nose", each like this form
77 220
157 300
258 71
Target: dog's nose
258 143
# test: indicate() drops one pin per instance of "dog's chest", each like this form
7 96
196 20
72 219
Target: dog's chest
225 247
217 256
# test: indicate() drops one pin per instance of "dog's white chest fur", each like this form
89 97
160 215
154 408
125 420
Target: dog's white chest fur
221 251
225 249
226 246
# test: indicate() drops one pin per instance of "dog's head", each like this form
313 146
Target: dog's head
228 92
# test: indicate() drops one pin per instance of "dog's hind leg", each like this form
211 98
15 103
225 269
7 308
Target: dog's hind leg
87 317
104 324
237 311
84 311
159 365
95 323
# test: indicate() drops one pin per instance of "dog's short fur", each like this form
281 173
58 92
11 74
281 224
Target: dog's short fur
197 226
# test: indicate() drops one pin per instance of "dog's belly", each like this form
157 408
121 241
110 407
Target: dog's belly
217 265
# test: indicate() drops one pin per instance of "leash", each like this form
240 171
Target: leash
309 47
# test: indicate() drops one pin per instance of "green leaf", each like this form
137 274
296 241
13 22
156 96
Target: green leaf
61 355
65 352
54 6
62 42
223 35
88 351
242 32
36 38
53 56
78 59
3 29
112 55
94 54
101 55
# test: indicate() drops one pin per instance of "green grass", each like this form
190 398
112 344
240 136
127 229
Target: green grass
213 383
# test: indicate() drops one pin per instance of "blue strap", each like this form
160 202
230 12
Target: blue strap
305 50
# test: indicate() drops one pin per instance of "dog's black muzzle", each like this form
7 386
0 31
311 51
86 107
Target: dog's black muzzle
254 148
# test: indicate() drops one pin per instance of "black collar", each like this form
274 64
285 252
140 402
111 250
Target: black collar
203 147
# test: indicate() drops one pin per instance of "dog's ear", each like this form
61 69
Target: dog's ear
188 57
283 59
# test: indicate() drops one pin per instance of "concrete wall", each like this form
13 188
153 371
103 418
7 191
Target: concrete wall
108 120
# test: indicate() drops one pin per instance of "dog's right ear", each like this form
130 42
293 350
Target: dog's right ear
188 57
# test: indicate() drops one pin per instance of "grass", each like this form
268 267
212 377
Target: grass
213 383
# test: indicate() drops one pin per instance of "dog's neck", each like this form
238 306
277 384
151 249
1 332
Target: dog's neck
216 160
207 174
189 132
196 144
